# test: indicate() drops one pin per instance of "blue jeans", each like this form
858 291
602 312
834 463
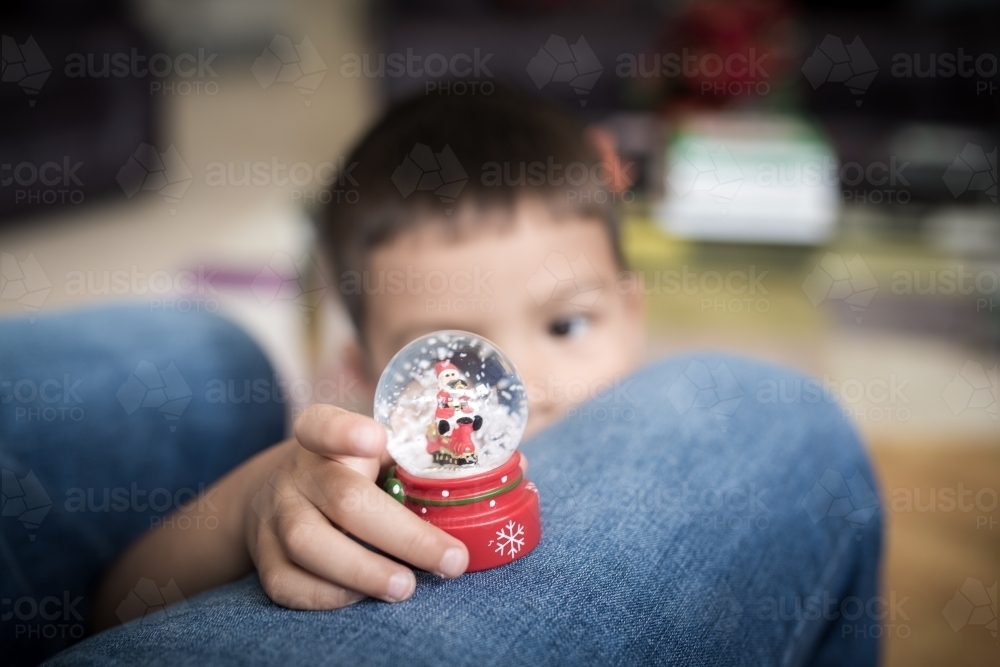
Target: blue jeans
105 427
706 510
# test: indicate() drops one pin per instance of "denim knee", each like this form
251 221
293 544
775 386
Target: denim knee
109 422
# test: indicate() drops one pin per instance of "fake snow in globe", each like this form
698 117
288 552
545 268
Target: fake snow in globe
455 409
453 405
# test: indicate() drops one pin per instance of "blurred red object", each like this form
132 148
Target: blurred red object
718 53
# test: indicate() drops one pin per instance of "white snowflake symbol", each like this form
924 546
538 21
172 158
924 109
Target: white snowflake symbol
510 538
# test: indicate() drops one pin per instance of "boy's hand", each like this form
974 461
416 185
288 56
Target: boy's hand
322 487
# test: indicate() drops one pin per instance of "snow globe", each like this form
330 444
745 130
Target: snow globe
455 408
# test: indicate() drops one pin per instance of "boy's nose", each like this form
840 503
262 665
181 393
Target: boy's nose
540 414
543 409
533 366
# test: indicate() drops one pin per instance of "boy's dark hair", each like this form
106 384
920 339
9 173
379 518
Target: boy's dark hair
409 169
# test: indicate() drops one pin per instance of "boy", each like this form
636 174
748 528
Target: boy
499 235
661 585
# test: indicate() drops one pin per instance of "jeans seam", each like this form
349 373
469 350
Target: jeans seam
794 654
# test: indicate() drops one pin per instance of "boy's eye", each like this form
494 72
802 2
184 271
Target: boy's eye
569 326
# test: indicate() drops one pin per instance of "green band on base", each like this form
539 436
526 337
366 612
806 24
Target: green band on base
467 501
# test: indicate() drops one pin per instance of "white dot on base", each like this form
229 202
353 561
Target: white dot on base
493 503
423 510
445 493
503 480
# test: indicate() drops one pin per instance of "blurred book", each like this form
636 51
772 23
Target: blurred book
749 178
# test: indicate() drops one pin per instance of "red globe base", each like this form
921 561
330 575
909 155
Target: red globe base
494 513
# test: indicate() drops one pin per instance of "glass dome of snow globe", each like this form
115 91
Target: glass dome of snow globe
453 406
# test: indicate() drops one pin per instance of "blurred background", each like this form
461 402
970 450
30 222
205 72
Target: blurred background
810 182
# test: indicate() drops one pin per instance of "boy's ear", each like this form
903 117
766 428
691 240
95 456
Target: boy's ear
630 285
355 364
622 175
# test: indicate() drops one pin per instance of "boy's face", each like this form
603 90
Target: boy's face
545 291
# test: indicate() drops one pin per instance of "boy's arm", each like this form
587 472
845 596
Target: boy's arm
199 546
286 512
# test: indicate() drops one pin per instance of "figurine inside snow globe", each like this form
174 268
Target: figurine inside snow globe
453 405
455 408
449 438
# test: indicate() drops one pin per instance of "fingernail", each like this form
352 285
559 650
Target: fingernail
366 439
356 597
453 562
400 587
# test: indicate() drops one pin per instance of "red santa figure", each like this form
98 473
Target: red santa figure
449 438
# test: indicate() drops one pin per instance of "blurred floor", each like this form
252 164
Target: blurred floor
918 440
931 552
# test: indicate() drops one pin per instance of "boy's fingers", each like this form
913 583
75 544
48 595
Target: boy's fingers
290 586
375 517
402 534
312 543
331 431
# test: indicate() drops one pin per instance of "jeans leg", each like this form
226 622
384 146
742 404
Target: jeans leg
706 511
107 423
